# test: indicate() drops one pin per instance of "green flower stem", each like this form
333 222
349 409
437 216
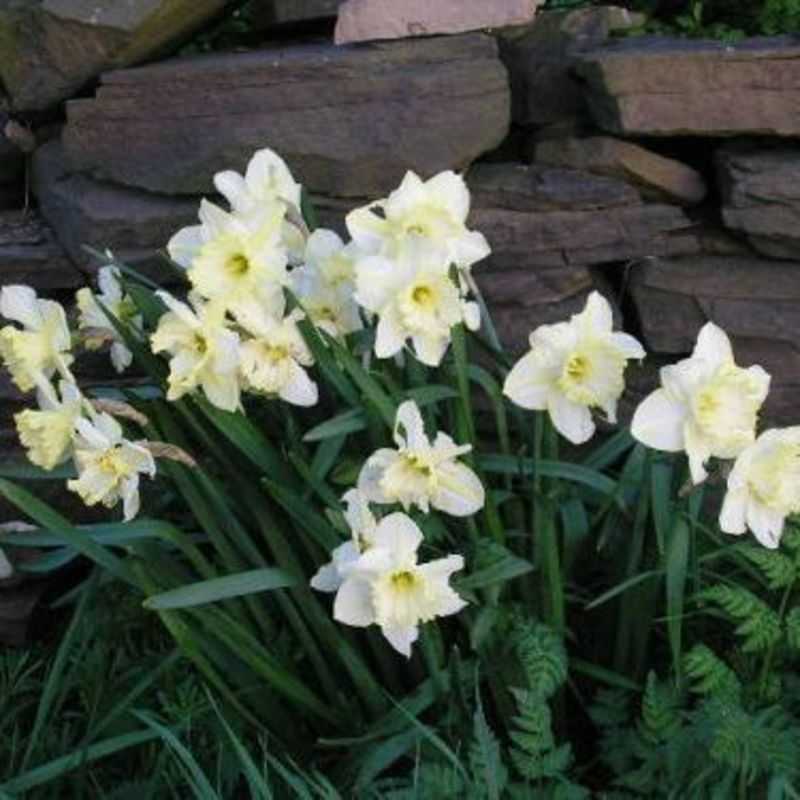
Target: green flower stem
545 531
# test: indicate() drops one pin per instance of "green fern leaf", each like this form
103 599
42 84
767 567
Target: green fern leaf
486 762
710 674
760 626
541 654
779 569
793 628
660 718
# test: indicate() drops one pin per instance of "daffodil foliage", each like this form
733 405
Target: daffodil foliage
346 500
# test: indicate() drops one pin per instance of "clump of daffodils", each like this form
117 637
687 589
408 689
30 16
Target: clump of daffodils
707 406
573 368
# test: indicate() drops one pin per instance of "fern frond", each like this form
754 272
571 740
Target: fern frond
760 626
779 569
541 654
660 718
792 623
711 675
485 758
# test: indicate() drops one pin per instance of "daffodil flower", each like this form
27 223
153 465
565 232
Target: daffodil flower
363 526
267 179
238 262
41 348
415 298
325 284
205 352
764 487
387 586
435 210
573 367
109 465
273 360
47 434
420 473
93 317
707 405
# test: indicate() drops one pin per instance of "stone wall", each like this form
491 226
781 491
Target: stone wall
664 172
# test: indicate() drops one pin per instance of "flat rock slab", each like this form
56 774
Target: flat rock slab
30 254
348 120
132 223
545 218
369 20
51 48
761 196
656 177
676 87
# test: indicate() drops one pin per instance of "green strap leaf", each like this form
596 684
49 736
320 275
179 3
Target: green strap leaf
197 594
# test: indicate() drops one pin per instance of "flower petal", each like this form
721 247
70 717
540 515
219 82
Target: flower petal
658 422
353 603
398 534
713 345
401 638
571 420
733 516
529 382
409 420
459 490
766 524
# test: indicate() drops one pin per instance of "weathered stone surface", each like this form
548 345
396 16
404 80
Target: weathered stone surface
670 87
51 48
540 60
349 121
82 211
656 177
30 254
368 20
271 13
761 196
522 187
567 227
12 161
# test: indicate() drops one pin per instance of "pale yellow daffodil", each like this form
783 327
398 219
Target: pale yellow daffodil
92 316
236 262
420 473
415 298
325 284
574 367
204 352
34 353
435 210
764 487
273 360
267 179
388 587
109 465
707 405
47 433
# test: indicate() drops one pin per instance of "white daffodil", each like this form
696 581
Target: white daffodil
238 262
47 433
93 317
325 284
109 465
205 352
419 473
363 525
387 586
706 405
273 360
764 486
573 367
435 210
415 298
35 353
267 179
